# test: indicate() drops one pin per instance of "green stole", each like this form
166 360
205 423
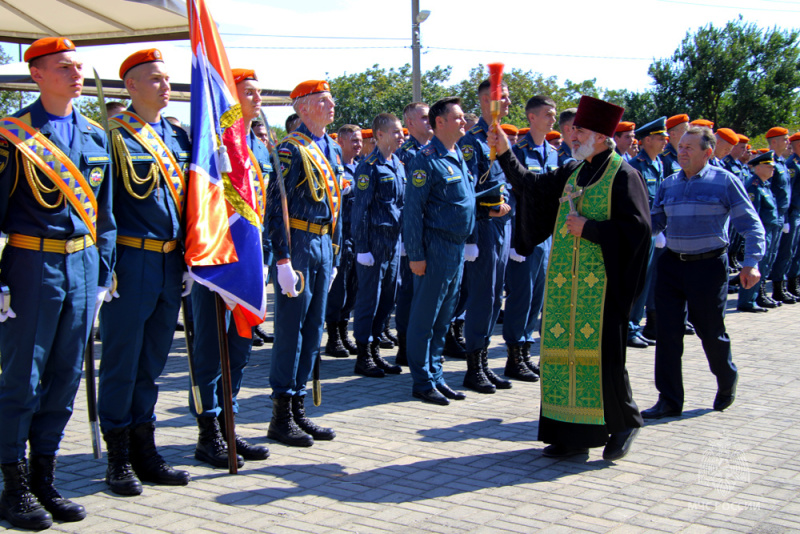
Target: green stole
572 332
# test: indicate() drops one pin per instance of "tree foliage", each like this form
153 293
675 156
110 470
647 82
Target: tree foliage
11 101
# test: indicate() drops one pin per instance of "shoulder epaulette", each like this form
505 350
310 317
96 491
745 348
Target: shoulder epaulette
93 123
475 129
408 145
522 144
371 159
428 150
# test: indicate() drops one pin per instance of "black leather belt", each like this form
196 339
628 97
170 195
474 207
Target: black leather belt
697 257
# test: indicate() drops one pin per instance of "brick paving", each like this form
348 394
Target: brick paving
399 465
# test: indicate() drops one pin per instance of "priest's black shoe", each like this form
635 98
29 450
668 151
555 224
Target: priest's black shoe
751 308
559 450
650 341
450 393
619 444
725 397
661 409
433 396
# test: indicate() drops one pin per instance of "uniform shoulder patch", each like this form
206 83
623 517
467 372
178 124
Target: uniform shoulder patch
475 130
752 197
362 182
468 151
419 177
372 159
428 150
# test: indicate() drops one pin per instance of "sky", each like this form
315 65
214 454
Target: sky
613 41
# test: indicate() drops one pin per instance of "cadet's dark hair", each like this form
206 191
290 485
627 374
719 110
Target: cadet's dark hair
112 104
487 84
347 129
538 101
412 107
442 108
383 121
566 116
291 123
707 138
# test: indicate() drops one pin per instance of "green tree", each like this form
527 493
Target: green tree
11 101
739 76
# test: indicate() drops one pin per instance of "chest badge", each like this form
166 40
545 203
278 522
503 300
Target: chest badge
96 176
418 178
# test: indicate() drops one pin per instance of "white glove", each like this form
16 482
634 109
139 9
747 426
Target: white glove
334 272
512 255
347 190
287 279
471 252
366 259
402 249
188 282
785 228
7 315
661 240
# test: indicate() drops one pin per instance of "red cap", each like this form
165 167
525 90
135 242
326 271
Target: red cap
763 150
597 115
310 87
240 75
552 135
47 46
334 135
676 120
726 134
743 138
523 131
794 137
625 126
366 134
405 131
151 55
702 123
509 129
776 131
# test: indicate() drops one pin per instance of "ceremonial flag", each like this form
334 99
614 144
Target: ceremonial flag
223 231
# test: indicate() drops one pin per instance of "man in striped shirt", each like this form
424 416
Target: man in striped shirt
692 208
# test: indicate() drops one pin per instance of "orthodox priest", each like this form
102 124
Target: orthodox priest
597 211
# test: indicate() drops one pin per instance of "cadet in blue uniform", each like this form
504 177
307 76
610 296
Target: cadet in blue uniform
486 251
782 187
676 127
311 168
207 371
793 165
565 120
415 117
525 274
342 296
379 188
653 138
763 200
57 265
137 327
441 194
732 164
624 137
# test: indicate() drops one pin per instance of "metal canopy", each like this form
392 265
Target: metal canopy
93 22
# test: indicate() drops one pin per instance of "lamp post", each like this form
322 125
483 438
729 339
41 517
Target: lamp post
417 18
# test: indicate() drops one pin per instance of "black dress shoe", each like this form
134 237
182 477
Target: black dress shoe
448 392
637 342
751 308
725 397
619 444
650 342
689 329
660 410
433 396
559 450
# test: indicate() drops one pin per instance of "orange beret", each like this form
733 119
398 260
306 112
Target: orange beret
676 120
702 123
151 55
749 147
47 46
366 134
310 87
776 131
762 150
334 135
625 126
405 131
552 135
510 129
523 131
726 134
794 137
743 138
240 75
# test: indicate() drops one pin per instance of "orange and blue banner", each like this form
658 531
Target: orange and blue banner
223 230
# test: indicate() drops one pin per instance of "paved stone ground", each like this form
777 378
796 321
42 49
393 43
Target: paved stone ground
398 464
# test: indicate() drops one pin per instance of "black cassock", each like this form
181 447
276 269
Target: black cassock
625 241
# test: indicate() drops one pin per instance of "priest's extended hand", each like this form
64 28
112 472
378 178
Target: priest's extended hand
575 224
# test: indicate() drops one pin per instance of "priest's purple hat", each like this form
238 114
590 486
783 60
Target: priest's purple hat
598 115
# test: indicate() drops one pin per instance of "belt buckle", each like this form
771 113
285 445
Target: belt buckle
71 246
683 256
168 246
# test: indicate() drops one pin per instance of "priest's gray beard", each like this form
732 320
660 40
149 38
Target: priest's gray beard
585 150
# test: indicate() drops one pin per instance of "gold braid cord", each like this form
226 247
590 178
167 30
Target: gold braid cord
37 187
315 176
125 165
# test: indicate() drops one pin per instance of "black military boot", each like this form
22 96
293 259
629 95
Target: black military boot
476 379
282 426
402 357
384 342
458 332
499 383
452 347
246 450
793 287
779 293
348 343
119 474
334 346
307 425
147 463
516 368
18 505
365 365
389 369
211 448
42 477
526 357
762 299
387 331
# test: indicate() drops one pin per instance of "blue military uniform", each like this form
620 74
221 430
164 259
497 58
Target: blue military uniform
41 350
793 166
136 328
564 153
669 160
786 189
441 195
342 296
299 320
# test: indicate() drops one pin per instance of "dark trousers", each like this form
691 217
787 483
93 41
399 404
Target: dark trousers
702 287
